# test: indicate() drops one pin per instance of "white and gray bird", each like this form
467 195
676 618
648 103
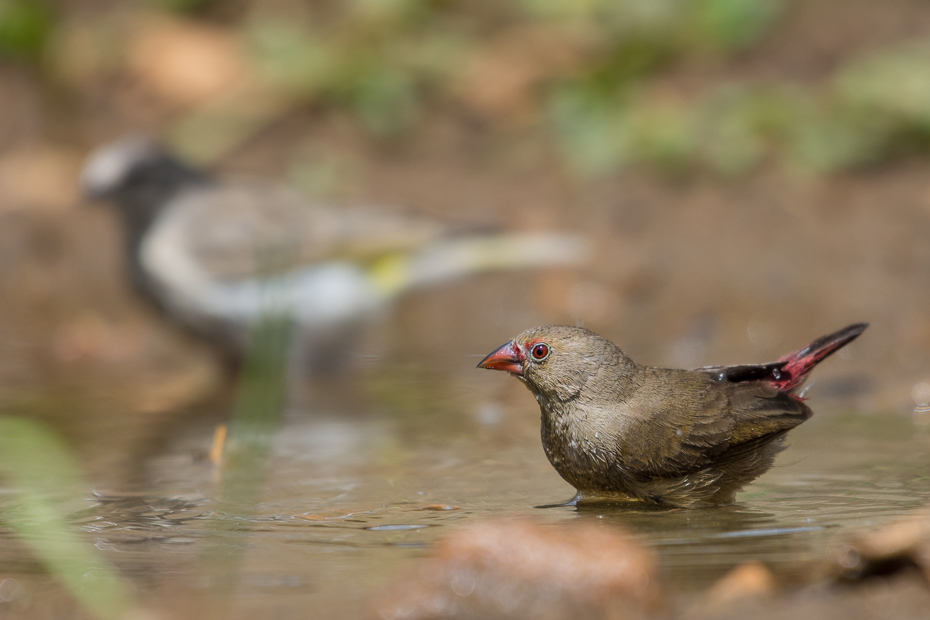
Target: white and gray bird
217 255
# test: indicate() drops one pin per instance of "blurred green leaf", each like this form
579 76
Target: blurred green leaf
720 24
733 24
599 134
385 100
631 59
294 57
25 27
369 78
209 132
832 141
45 476
390 10
893 82
181 6
621 17
321 174
592 129
665 135
739 126
436 54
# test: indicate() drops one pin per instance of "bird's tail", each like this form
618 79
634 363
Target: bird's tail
799 364
457 257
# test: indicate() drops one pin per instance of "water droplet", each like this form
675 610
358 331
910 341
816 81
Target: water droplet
489 414
921 394
10 590
463 583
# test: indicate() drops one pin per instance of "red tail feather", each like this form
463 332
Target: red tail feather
799 364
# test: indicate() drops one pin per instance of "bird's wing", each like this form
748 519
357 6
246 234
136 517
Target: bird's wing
707 422
744 372
243 230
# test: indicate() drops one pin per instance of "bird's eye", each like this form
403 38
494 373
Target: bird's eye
540 351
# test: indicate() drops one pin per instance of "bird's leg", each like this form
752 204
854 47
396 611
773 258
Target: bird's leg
572 502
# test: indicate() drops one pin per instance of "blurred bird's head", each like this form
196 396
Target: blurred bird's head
138 176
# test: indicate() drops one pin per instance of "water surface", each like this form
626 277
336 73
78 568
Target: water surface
358 487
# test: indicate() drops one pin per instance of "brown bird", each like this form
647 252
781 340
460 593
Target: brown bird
613 428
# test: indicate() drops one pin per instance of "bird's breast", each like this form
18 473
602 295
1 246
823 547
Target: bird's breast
580 448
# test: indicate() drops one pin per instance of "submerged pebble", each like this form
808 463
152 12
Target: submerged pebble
521 569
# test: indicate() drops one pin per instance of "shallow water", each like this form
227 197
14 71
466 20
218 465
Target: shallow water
358 486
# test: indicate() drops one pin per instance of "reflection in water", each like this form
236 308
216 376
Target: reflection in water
698 546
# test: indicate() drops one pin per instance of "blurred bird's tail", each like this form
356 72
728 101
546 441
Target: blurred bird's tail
457 257
799 364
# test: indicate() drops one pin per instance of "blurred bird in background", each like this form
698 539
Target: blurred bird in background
215 256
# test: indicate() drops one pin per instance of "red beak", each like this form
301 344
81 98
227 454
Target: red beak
507 358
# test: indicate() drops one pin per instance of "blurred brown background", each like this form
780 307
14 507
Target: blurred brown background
752 174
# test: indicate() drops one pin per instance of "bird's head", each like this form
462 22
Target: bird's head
555 361
137 175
